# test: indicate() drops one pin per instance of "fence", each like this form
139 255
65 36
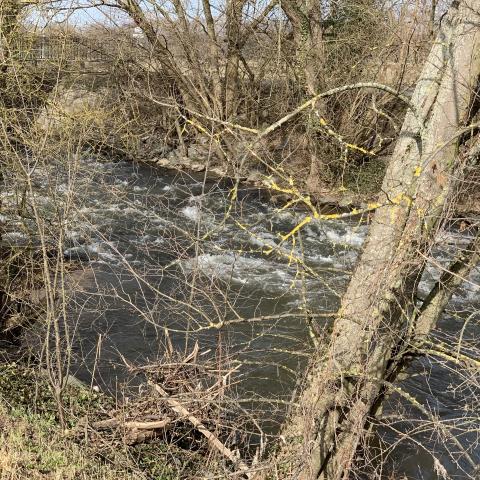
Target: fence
51 48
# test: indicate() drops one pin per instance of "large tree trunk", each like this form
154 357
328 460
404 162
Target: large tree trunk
374 321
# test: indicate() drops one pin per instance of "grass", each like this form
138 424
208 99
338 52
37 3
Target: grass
34 446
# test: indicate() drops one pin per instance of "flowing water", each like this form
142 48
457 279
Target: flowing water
175 252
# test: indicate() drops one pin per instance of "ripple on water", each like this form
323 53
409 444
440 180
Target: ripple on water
242 269
354 238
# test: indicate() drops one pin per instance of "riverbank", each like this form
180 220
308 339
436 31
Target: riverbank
340 185
34 445
32 442
85 116
363 192
331 199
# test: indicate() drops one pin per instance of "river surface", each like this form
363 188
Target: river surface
172 251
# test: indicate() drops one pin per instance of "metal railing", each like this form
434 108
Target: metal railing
51 48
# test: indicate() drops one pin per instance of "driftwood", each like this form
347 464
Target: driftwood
112 423
212 439
134 431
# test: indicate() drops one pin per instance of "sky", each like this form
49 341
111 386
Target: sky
79 17
86 16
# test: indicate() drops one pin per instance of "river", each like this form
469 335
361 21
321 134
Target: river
174 251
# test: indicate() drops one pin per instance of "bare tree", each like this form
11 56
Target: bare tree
379 322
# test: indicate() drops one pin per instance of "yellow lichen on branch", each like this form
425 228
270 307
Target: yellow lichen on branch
349 146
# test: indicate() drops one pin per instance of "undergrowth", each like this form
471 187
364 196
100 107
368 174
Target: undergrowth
34 446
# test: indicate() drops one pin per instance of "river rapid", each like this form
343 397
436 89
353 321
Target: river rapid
174 251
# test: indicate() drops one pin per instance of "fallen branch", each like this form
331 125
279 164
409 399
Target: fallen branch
134 431
112 423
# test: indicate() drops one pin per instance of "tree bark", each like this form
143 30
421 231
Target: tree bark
323 433
215 53
438 298
305 18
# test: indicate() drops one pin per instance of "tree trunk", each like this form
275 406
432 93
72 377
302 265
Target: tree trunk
234 23
181 82
306 21
215 53
438 298
323 433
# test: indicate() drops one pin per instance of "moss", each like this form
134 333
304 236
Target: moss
32 446
366 178
27 388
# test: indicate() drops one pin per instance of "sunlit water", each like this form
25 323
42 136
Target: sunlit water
175 252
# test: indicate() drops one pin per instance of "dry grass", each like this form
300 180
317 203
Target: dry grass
32 446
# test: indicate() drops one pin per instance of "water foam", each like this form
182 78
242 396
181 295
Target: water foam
192 212
351 238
